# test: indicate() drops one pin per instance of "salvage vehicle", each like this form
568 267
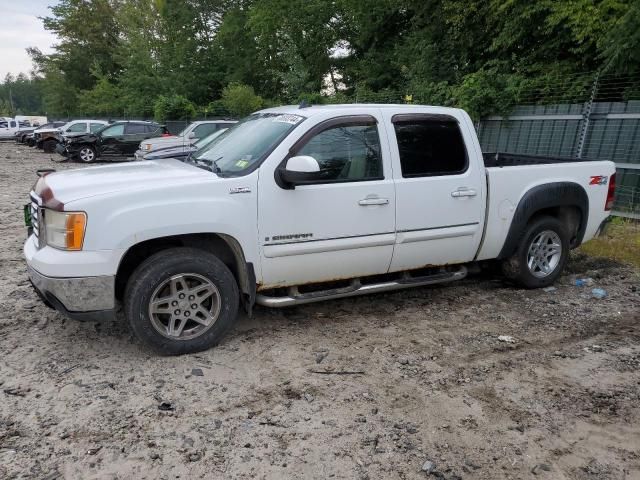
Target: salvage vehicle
298 205
113 142
191 134
48 138
182 152
22 133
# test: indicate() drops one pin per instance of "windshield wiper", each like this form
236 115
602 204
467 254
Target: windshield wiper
212 164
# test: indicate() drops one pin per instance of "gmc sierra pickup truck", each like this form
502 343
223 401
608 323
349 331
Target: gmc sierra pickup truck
299 204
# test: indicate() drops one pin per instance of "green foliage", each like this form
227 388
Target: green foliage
241 100
173 107
123 57
484 92
101 100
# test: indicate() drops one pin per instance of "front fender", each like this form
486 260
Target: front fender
119 220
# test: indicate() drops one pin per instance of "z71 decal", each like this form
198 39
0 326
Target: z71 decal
598 180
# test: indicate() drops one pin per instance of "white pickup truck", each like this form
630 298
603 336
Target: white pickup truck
295 205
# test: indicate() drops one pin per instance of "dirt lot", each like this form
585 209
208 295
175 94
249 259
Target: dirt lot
280 398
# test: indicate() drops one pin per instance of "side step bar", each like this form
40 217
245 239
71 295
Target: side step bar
356 288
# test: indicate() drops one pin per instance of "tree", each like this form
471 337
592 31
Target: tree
241 100
173 107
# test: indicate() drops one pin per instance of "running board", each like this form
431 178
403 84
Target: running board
356 288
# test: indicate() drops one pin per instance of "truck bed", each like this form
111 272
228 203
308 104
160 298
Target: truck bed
499 159
507 183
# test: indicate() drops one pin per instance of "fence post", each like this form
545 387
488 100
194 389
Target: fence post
586 115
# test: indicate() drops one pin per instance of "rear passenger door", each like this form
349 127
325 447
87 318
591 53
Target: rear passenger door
134 133
440 192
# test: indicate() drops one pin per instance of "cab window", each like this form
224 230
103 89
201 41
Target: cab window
77 127
346 153
430 147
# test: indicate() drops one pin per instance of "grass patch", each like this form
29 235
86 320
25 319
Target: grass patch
621 242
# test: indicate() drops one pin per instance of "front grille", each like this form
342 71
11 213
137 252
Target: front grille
35 218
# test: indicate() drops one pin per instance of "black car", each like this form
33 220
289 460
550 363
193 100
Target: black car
113 142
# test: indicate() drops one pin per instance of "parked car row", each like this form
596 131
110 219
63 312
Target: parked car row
9 127
89 140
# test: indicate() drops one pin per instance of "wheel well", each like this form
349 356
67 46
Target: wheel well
569 215
224 247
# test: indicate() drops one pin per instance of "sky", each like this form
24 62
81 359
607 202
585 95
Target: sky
20 28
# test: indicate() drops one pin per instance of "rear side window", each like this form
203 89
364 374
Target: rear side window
151 128
430 147
133 128
13 124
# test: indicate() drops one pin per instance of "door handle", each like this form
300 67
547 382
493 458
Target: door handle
464 192
373 201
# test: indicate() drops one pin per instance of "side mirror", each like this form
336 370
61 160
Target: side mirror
300 170
191 135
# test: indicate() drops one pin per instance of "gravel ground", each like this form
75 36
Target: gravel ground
409 385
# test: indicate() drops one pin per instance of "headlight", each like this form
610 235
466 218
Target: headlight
65 230
147 147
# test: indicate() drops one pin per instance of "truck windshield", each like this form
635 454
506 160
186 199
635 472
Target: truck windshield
247 142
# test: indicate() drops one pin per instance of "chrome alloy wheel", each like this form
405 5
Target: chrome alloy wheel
544 253
87 155
184 306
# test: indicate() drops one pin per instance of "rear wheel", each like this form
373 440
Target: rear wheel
541 254
87 154
181 300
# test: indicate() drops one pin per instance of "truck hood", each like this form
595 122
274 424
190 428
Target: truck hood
61 188
161 140
168 152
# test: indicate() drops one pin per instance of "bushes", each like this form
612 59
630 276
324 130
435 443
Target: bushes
173 107
241 100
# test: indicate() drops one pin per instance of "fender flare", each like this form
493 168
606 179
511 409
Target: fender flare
549 195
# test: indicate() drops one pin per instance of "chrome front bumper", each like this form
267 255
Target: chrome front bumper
82 298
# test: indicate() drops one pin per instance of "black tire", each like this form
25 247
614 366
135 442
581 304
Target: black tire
86 154
49 146
158 269
516 267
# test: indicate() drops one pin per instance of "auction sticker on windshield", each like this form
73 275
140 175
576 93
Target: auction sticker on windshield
287 118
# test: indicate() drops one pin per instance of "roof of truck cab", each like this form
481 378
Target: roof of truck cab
316 109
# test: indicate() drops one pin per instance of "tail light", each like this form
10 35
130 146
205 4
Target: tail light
611 193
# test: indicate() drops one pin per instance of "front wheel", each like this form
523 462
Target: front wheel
181 300
87 154
49 146
541 254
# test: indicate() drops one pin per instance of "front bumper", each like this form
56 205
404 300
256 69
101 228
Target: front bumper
62 149
139 155
80 298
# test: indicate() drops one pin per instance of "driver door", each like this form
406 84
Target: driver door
341 227
110 138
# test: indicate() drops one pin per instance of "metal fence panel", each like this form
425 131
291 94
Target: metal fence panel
608 131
